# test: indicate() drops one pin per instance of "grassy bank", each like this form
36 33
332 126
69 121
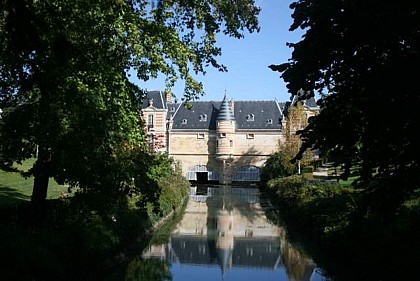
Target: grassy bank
344 239
14 188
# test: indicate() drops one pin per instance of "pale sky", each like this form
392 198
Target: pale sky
247 60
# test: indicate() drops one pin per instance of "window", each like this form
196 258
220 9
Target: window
203 118
150 120
247 173
250 136
200 136
184 121
250 117
249 233
231 143
222 135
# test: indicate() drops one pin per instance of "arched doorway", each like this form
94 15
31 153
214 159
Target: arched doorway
247 174
202 174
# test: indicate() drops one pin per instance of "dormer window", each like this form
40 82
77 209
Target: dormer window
203 118
250 117
172 109
184 121
270 121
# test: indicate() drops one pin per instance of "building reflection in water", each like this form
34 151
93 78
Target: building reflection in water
227 227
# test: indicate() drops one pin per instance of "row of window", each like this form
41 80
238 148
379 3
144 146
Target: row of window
203 118
223 135
251 117
150 122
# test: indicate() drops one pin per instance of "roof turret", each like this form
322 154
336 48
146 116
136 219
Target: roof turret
225 112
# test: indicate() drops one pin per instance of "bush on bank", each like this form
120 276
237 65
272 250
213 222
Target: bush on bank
350 241
320 208
173 191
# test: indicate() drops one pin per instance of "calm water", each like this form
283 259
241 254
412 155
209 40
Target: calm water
225 235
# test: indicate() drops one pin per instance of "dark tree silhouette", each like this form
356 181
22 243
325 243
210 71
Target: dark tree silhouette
362 58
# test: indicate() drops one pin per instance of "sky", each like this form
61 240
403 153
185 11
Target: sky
247 60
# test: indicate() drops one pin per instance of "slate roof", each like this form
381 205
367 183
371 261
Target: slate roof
158 100
309 103
202 115
266 115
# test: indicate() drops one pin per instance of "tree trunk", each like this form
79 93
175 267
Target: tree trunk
42 176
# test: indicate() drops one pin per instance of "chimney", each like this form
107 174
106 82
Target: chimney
168 97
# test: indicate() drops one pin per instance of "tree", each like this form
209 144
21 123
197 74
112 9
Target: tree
64 87
277 165
362 58
296 120
281 163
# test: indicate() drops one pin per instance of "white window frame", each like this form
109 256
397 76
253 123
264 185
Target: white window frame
250 117
203 118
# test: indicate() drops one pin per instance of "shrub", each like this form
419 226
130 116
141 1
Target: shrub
277 165
173 190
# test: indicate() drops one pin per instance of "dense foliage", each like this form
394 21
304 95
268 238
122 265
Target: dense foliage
280 163
325 219
277 165
65 94
362 58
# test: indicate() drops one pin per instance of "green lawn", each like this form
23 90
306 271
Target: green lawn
15 188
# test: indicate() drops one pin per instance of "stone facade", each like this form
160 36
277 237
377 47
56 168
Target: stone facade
223 142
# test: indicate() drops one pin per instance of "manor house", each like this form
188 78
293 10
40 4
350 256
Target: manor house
217 141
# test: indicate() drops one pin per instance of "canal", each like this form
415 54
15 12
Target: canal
224 234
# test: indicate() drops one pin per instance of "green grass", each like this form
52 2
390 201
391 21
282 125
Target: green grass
349 181
15 188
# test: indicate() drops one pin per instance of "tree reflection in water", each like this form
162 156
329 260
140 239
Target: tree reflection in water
148 269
